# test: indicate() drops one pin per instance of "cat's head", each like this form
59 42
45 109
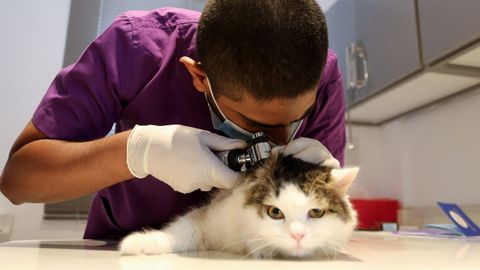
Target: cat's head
301 208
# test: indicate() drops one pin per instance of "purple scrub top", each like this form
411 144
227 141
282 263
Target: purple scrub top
131 75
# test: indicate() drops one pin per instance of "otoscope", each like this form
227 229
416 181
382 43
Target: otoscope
242 159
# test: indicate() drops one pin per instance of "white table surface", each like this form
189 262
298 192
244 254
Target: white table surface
366 251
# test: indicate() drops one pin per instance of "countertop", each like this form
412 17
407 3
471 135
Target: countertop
366 250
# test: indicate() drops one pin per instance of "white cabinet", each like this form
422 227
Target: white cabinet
398 56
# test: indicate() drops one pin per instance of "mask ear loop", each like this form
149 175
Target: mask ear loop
239 129
214 101
297 128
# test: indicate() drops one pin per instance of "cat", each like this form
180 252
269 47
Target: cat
284 207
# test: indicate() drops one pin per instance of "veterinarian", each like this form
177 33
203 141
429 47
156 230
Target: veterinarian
178 86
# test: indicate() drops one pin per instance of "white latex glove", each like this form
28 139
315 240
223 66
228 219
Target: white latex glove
181 157
309 150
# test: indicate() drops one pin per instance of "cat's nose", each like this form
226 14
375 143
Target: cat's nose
297 236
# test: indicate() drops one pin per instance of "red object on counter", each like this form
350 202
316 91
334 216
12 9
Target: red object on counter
373 212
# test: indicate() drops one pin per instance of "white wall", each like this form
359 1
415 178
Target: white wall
31 53
111 8
326 4
371 155
428 156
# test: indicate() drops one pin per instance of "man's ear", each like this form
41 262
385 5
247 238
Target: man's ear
198 75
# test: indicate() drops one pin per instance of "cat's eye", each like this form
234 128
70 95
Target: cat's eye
316 213
275 213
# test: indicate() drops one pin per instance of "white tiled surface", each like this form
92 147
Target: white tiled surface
366 251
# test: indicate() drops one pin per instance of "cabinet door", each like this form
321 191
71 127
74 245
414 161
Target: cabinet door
387 32
341 33
446 25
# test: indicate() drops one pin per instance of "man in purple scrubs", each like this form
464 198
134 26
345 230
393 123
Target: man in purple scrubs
179 87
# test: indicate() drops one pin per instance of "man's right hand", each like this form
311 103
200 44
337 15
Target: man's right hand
181 157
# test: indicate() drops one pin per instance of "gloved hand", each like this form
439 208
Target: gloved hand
181 157
309 150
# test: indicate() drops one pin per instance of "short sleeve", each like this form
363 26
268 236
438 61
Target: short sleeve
327 121
85 99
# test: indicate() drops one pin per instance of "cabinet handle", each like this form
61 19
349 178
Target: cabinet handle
355 52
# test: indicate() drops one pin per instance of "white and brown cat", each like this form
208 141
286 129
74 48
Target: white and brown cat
285 207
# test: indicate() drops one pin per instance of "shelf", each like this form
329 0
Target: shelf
471 58
423 89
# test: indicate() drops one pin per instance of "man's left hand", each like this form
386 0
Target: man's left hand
309 150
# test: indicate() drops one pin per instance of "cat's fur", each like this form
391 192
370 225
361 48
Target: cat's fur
236 220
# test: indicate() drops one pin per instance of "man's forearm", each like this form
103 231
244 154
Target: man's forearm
51 170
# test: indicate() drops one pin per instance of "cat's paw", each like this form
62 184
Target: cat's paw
148 243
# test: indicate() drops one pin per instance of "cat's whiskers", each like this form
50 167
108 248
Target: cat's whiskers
271 245
337 243
243 241
255 250
334 244
335 249
332 250
325 253
345 252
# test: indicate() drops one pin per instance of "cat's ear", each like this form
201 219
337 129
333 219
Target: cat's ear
343 178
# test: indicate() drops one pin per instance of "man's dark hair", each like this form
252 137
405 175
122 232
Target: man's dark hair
267 48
